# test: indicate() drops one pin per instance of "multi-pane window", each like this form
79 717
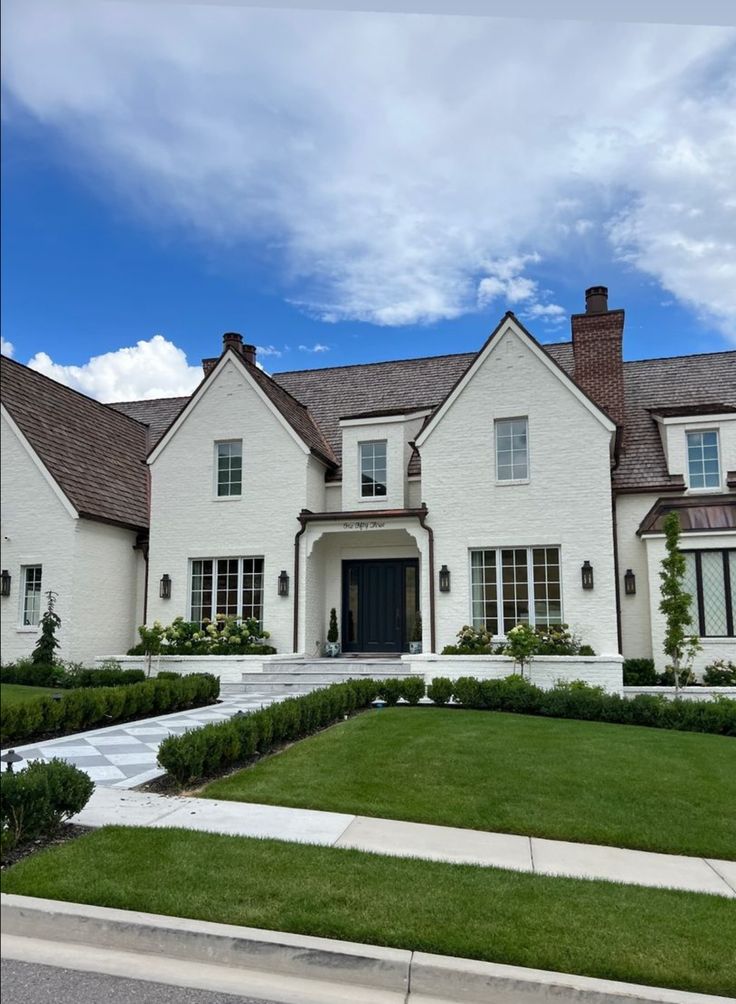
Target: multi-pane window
231 586
702 459
229 468
515 585
512 449
31 614
710 578
373 469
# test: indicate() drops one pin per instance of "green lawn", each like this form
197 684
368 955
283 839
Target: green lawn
653 936
582 781
15 693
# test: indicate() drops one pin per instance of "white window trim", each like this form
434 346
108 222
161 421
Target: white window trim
503 482
501 636
22 627
361 496
216 471
240 558
710 489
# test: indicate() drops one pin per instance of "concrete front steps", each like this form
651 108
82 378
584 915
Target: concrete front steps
304 675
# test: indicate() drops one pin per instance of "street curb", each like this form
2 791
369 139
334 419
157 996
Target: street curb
418 977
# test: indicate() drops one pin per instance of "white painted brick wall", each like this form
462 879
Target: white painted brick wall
684 694
567 502
636 627
544 671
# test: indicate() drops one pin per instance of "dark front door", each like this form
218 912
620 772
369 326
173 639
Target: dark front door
376 598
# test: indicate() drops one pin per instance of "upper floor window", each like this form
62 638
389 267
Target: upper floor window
512 449
31 594
229 457
711 581
373 469
515 585
702 459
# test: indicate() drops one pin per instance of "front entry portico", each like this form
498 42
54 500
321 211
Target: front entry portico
380 602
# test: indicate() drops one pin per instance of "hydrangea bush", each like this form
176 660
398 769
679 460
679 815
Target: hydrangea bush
223 636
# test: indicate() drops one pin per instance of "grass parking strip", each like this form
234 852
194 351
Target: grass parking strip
587 782
652 936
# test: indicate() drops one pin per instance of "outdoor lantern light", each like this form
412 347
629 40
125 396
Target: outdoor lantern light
444 579
10 758
283 583
5 580
587 575
630 583
164 590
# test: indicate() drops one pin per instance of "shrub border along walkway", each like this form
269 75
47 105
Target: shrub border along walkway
213 748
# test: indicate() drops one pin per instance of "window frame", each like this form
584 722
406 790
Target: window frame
500 635
699 432
241 559
216 485
511 481
24 570
373 496
729 589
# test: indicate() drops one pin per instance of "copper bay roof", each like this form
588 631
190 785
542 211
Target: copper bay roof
95 454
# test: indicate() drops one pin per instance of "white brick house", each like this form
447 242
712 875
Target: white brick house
474 488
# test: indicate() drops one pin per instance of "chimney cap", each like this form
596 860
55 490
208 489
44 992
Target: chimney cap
596 299
232 338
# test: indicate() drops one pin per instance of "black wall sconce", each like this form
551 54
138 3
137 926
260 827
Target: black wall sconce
630 583
5 583
586 573
444 579
164 589
283 583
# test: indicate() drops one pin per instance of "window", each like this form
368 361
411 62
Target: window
229 468
231 586
515 585
31 593
373 469
512 450
710 579
702 459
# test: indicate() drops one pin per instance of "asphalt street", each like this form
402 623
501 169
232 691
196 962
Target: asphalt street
27 983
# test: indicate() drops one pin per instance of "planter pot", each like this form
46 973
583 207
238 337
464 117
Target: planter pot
332 648
415 648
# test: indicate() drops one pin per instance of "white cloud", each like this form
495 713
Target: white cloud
153 368
317 347
268 350
7 348
385 159
505 285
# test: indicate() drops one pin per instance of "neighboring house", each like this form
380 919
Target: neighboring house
524 482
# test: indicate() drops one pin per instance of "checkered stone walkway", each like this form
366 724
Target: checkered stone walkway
124 756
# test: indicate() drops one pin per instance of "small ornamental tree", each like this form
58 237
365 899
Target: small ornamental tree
332 633
416 634
44 654
675 603
522 643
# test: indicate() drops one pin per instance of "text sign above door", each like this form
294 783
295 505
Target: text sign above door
368 524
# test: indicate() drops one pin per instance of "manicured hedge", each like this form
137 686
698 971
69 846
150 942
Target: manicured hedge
35 801
31 675
578 700
200 752
85 708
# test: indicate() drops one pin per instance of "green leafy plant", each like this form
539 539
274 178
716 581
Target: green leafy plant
44 653
224 636
522 643
440 690
332 632
413 689
68 678
416 634
640 673
470 641
720 674
679 645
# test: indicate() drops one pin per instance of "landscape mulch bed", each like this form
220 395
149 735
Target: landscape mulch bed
66 833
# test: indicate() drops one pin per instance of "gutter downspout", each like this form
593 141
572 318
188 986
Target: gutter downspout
614 521
297 548
430 537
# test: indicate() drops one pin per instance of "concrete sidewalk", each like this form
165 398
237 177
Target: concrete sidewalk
414 840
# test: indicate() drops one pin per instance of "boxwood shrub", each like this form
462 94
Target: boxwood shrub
579 700
213 748
85 708
32 675
35 801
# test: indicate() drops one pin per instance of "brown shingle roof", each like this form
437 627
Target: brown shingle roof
157 413
95 454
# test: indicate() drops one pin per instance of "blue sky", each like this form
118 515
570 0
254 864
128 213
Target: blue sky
390 201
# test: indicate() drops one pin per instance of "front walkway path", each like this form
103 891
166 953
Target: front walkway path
124 756
415 840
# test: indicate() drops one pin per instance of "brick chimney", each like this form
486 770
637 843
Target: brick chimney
597 337
231 340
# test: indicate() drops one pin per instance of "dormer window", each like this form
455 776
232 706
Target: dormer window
373 469
229 468
702 459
